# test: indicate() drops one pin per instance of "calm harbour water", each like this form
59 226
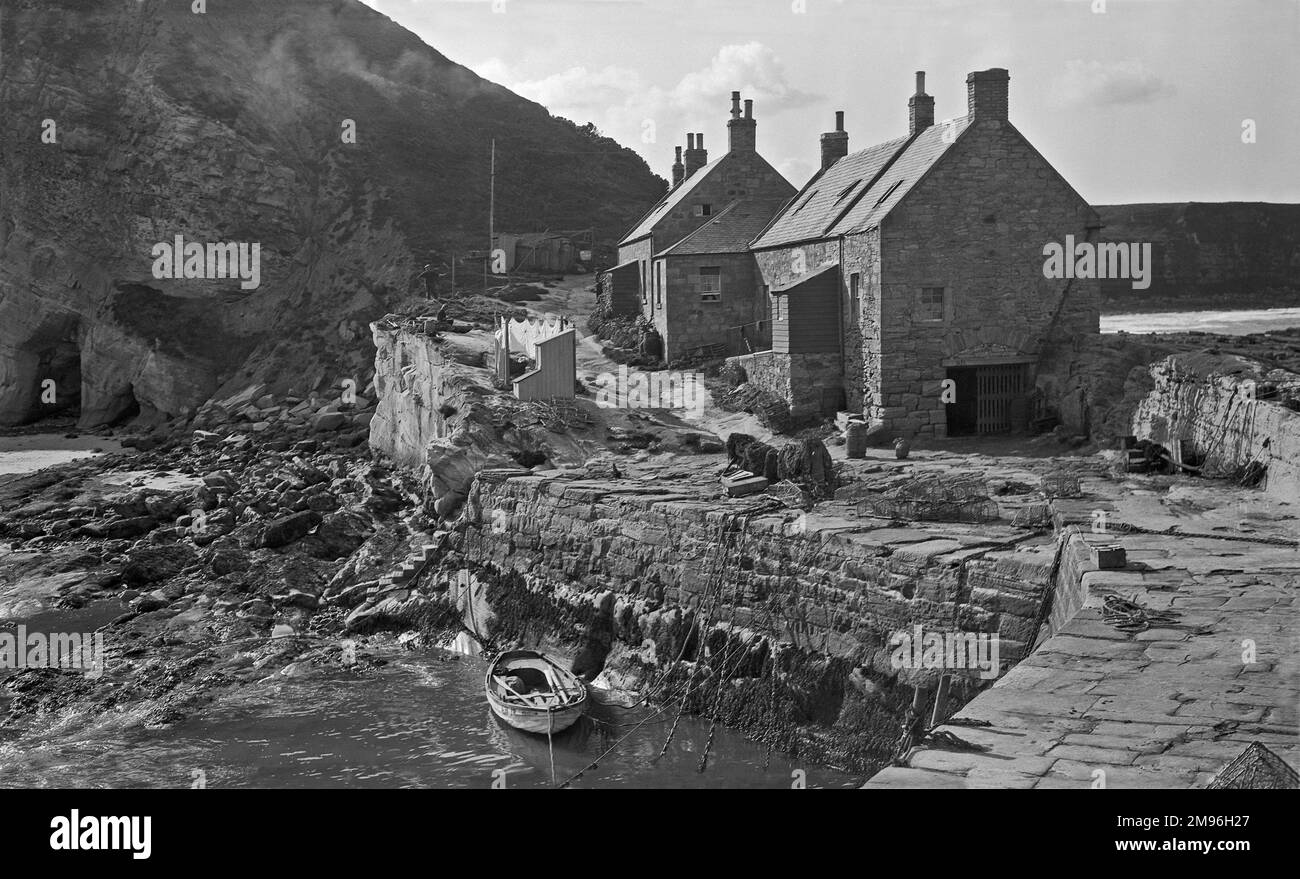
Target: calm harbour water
420 721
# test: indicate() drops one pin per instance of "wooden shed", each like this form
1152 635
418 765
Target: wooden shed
806 315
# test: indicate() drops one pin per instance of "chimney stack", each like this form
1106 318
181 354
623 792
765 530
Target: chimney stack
920 107
986 93
741 130
695 155
835 144
679 170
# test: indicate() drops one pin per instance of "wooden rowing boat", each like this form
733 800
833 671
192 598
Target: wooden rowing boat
534 694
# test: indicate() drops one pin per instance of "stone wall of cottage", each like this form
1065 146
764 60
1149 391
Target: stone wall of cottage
781 265
618 291
767 370
976 226
691 322
743 174
795 378
862 331
641 252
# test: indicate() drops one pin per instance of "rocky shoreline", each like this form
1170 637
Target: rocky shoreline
217 546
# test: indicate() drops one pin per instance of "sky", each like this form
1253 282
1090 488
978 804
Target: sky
1131 100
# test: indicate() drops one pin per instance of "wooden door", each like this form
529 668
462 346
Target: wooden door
996 389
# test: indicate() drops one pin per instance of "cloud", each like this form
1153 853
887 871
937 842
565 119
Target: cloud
1098 84
752 68
797 171
649 117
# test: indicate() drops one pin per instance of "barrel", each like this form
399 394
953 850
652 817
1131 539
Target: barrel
855 439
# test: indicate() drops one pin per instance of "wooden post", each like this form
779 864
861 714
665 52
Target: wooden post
492 209
940 698
920 696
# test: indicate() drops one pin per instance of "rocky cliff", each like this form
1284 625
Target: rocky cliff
1229 255
1234 417
128 123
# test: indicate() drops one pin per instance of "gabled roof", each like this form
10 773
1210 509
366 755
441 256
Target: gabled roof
670 201
731 229
859 190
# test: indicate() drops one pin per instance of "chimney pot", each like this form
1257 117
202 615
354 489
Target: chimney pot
695 157
735 105
741 130
920 107
835 144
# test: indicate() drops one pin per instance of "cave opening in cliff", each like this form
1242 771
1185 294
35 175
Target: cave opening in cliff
57 381
127 407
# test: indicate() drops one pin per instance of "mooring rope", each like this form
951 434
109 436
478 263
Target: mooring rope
702 625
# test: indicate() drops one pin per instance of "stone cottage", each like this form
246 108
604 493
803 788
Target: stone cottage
906 281
686 266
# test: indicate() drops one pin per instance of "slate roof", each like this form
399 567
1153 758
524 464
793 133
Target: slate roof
860 190
731 229
669 202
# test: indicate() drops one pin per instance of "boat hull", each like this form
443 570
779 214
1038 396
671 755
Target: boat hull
567 694
535 720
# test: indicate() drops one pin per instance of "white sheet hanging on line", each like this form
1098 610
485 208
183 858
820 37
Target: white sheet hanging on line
525 334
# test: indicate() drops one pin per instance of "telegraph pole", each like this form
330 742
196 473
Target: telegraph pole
492 207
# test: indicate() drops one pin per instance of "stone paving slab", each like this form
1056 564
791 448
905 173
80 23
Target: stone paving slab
1168 707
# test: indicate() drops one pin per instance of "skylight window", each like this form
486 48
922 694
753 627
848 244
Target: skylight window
889 192
845 192
806 200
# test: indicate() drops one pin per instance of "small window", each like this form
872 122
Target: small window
932 304
855 303
708 283
659 284
778 312
704 210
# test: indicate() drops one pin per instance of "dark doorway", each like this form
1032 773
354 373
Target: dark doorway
963 415
990 399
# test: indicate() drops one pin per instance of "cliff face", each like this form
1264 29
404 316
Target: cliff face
1232 412
228 127
439 415
1229 255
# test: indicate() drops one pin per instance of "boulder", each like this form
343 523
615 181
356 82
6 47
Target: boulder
330 421
340 534
287 529
228 560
